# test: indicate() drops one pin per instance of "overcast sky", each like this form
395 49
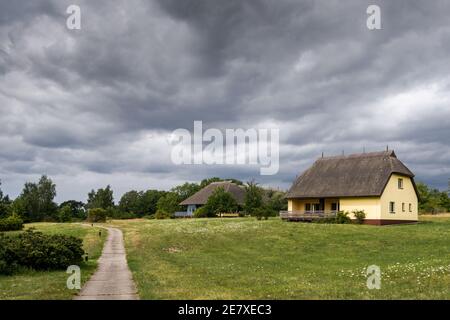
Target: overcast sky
94 106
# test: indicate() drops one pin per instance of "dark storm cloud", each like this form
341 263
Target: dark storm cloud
102 100
13 11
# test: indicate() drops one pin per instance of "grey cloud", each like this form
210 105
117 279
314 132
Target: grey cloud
73 102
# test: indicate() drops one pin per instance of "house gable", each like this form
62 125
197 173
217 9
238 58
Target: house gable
403 198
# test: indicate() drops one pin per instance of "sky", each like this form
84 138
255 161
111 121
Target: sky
95 106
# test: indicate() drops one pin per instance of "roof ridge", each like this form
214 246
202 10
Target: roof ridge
389 153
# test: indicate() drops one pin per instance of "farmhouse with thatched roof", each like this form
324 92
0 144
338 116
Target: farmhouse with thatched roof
378 183
201 197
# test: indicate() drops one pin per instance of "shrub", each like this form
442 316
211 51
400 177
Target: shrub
203 212
39 251
65 214
11 223
343 218
258 213
360 216
263 213
97 215
161 214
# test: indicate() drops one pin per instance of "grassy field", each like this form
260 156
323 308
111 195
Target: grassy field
28 284
249 259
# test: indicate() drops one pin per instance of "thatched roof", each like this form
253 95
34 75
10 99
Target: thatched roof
201 197
355 175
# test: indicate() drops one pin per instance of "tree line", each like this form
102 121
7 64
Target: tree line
432 200
36 202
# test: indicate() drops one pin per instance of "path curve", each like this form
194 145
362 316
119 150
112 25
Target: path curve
113 279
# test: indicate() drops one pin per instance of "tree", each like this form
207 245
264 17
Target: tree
47 192
169 203
36 200
139 203
30 203
102 198
276 201
444 201
131 203
18 207
208 181
220 201
253 197
5 204
150 200
5 209
186 190
65 214
77 209
432 200
97 215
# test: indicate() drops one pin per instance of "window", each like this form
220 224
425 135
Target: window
392 207
307 206
316 206
400 183
410 207
403 207
334 206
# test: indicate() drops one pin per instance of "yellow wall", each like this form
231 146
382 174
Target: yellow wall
370 205
407 195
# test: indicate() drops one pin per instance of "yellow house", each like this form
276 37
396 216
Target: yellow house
376 182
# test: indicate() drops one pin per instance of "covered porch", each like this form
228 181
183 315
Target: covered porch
311 209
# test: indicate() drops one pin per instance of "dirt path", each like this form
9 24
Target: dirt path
113 279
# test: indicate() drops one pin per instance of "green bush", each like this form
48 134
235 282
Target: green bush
97 215
39 251
258 213
161 214
360 216
203 212
11 223
343 218
263 212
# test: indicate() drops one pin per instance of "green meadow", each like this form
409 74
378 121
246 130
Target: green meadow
244 258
